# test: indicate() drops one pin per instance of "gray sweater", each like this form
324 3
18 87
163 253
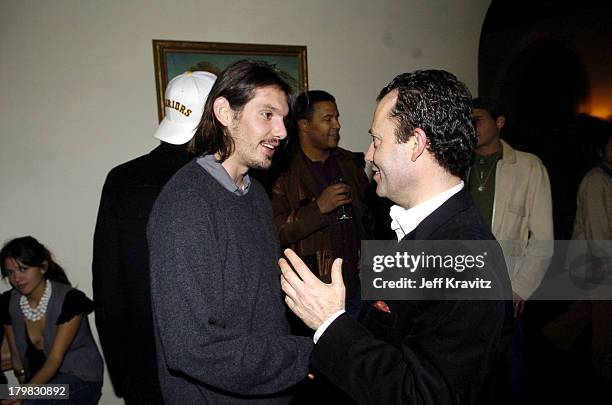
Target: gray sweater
220 324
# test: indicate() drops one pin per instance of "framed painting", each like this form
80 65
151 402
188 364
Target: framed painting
175 57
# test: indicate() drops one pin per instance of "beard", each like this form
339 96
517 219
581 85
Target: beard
254 159
260 164
252 154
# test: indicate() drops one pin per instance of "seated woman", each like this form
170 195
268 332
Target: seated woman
45 322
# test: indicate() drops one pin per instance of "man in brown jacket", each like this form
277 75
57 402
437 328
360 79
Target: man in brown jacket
319 201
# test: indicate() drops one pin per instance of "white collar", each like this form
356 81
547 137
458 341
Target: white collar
404 221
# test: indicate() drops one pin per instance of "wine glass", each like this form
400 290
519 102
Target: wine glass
342 213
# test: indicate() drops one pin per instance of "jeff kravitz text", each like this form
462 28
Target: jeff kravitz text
436 283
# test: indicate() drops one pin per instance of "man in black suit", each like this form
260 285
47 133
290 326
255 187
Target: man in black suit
120 266
409 352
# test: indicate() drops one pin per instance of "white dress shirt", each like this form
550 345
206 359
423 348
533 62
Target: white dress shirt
404 221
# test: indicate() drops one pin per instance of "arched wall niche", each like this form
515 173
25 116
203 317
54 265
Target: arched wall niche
550 65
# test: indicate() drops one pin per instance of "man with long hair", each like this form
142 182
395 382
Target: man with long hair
220 325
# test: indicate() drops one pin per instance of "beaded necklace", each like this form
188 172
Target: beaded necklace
34 314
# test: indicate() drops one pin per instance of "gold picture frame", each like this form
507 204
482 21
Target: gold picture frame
175 57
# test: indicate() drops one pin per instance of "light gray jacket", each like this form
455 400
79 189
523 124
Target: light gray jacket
522 218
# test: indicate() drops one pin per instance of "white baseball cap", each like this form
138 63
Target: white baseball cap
183 106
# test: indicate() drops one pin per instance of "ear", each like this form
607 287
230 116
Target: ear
44 265
302 124
420 143
223 111
500 122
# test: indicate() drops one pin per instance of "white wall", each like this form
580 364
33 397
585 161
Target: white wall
78 90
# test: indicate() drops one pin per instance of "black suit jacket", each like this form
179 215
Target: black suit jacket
422 352
120 267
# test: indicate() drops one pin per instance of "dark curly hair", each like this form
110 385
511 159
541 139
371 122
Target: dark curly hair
439 104
32 253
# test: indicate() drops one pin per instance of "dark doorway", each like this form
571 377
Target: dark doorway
544 60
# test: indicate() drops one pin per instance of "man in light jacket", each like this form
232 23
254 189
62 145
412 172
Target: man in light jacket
512 191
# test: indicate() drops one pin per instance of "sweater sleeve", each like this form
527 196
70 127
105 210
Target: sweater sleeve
187 291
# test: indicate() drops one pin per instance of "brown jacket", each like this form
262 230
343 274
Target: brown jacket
298 220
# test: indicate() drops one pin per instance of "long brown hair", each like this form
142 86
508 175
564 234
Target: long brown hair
237 84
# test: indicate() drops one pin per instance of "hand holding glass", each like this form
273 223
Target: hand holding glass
342 212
